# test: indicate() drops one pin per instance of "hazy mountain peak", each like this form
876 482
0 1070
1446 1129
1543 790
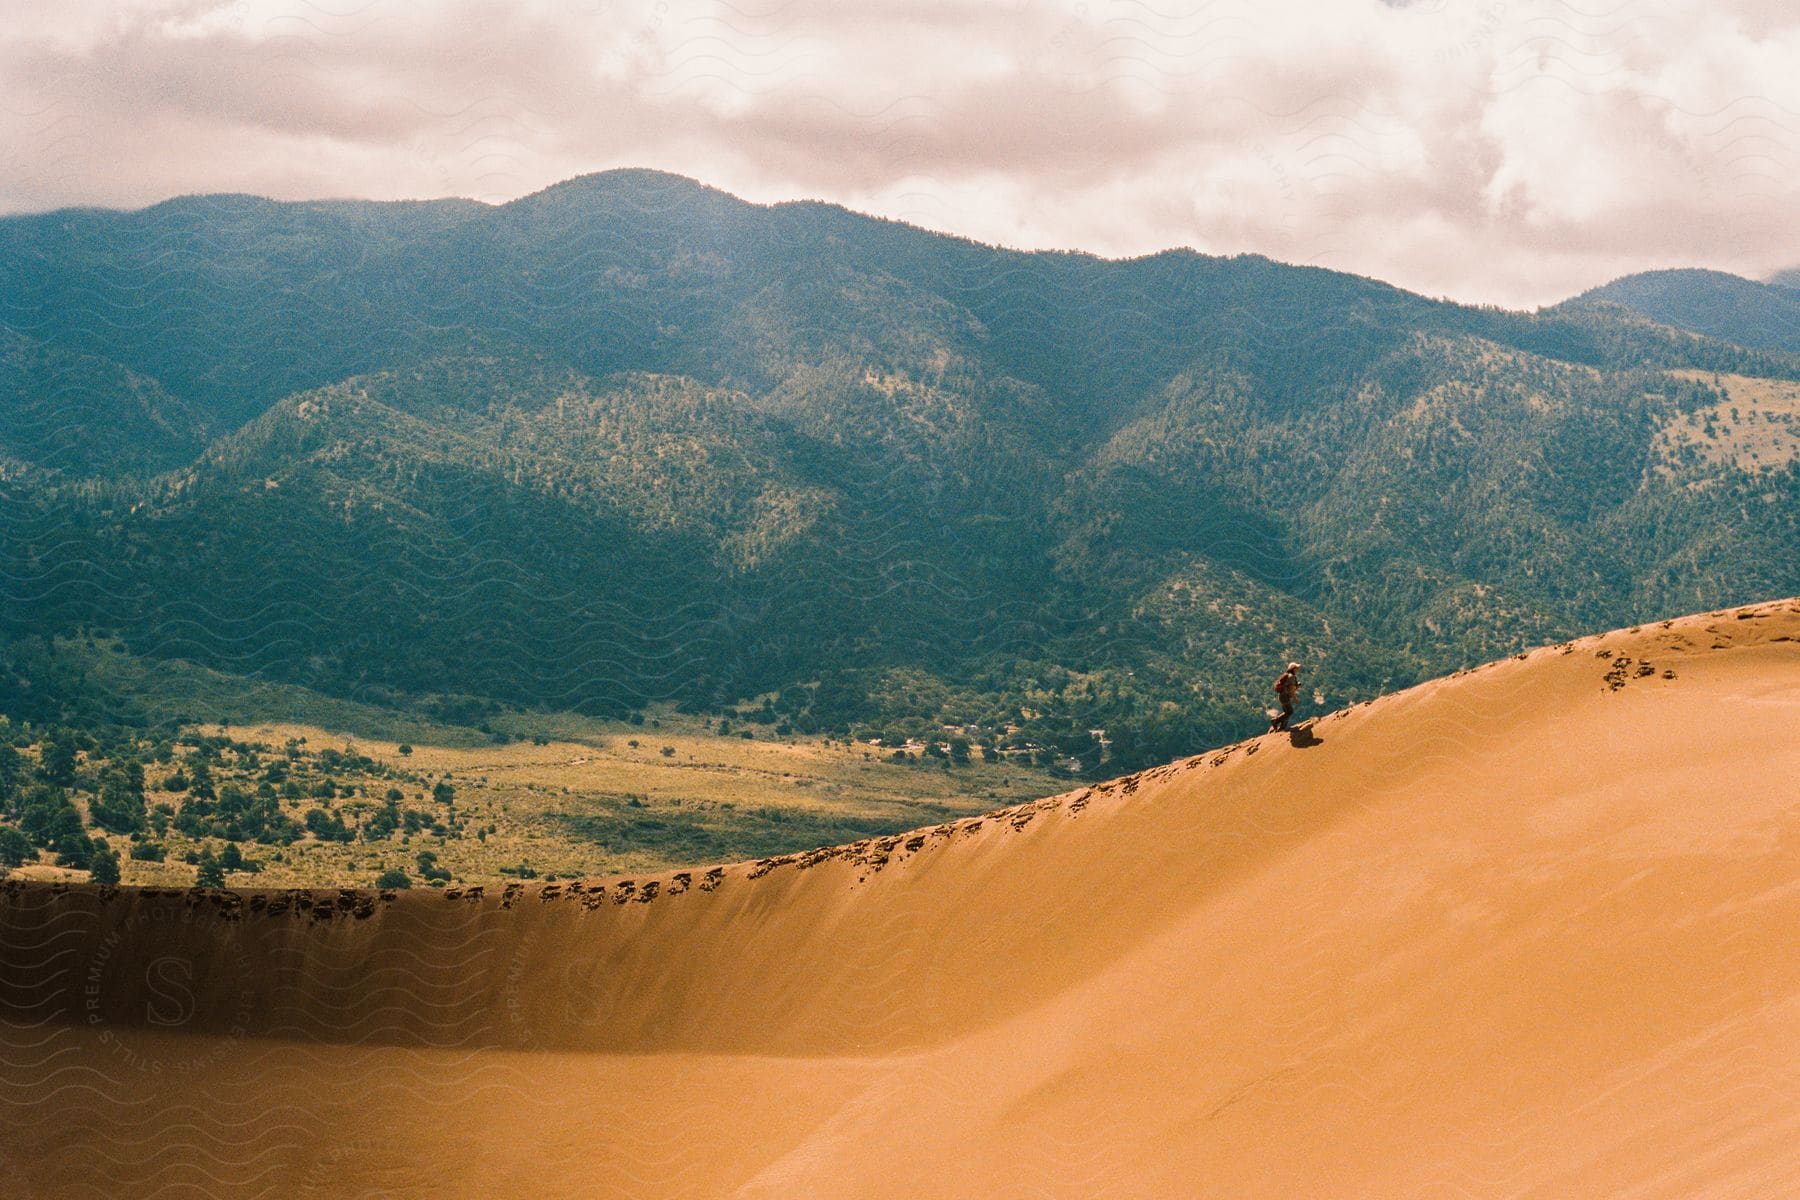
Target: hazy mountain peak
1714 303
642 183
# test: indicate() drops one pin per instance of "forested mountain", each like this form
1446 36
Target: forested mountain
631 439
1713 303
76 414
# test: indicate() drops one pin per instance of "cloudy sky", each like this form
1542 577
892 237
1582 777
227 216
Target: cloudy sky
1505 151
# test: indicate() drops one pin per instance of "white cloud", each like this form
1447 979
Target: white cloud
1504 150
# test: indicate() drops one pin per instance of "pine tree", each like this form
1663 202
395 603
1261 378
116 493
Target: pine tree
103 864
210 872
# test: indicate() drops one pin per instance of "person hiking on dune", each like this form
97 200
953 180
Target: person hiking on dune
1286 688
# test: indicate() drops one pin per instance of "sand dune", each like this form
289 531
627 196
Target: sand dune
1526 931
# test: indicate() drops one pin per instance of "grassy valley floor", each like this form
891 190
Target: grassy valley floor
598 798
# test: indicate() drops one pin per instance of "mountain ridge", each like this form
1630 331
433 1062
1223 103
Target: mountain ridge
795 442
1712 303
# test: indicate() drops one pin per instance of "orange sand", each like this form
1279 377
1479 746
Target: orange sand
1518 932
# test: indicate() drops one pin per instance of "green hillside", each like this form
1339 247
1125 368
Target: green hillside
71 415
632 441
1713 303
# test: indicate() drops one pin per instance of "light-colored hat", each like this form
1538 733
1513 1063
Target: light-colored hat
1293 666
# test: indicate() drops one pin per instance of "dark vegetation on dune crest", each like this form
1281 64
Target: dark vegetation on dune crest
630 440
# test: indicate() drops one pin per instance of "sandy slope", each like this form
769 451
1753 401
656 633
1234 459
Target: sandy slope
1520 932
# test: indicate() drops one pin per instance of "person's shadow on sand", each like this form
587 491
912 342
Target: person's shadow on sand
1302 737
